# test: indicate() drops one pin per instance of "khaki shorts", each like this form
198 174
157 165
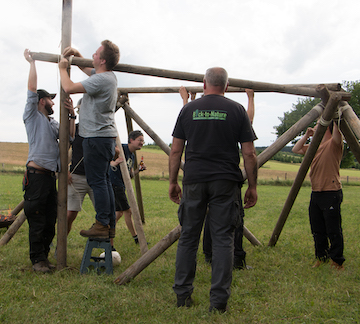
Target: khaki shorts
77 191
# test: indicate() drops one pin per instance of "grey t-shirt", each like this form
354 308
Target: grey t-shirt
97 111
43 134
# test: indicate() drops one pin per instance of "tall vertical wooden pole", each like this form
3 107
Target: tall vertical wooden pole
64 146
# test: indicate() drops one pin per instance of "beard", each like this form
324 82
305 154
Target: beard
49 109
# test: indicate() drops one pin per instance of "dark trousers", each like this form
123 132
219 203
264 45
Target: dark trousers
222 197
239 251
98 152
40 207
325 222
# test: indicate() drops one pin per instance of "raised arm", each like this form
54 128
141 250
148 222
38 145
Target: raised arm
300 147
184 95
32 81
251 104
66 83
250 164
68 51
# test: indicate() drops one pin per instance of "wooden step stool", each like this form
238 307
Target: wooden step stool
95 262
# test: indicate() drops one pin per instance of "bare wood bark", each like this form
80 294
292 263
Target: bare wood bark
351 139
13 228
351 118
18 208
132 201
251 237
64 147
137 176
305 165
149 256
330 86
187 76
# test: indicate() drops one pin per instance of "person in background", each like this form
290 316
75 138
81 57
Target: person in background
135 143
326 195
39 183
212 127
77 183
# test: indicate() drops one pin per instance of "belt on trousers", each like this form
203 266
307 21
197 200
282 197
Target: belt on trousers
37 171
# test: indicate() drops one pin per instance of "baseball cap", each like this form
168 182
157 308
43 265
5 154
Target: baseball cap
43 93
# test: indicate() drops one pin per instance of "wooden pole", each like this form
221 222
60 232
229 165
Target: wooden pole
351 118
192 89
187 76
304 167
149 256
13 228
250 236
350 138
132 201
139 199
64 147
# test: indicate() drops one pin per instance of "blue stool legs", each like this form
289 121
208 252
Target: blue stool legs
94 262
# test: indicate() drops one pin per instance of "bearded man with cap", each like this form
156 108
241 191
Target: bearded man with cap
39 183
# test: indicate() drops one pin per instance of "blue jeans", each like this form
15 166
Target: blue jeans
223 199
98 152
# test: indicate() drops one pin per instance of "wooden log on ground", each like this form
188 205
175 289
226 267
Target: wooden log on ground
149 256
250 236
13 229
64 147
305 165
18 208
187 76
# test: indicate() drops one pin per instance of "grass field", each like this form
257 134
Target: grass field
281 288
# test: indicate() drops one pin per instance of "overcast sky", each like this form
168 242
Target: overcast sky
278 41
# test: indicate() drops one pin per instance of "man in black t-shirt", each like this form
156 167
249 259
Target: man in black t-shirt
212 127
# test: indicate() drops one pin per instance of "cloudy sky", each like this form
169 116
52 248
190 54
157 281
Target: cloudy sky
278 41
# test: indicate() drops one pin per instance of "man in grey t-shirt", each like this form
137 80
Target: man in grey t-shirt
97 126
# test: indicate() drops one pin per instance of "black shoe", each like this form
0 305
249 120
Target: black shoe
208 258
239 264
112 248
220 309
184 300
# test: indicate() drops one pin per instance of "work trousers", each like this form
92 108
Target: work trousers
40 207
222 197
325 222
98 152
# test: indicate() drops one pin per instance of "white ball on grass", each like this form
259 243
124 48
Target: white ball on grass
116 258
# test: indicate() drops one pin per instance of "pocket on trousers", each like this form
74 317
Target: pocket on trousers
237 214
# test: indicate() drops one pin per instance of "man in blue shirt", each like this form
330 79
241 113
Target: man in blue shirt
40 198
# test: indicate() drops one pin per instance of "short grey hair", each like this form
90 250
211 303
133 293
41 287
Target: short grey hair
216 76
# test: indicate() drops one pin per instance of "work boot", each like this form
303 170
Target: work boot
41 266
336 265
184 300
112 232
50 265
96 230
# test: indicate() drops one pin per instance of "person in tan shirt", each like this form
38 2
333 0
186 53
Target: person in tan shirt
326 195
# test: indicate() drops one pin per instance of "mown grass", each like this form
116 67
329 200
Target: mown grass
281 288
